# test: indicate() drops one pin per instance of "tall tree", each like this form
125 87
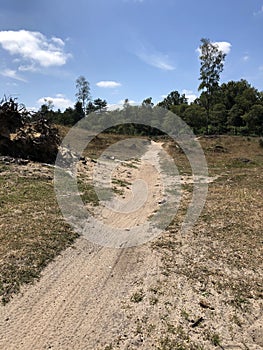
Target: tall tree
90 108
83 91
212 64
78 112
100 105
173 99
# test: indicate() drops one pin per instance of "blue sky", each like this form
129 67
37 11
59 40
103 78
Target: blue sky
125 48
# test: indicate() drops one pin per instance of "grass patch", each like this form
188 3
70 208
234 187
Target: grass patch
227 237
121 183
32 231
88 193
130 165
124 147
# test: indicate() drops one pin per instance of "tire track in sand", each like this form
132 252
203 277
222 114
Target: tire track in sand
77 302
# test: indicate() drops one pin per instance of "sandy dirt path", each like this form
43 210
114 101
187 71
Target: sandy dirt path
77 304
79 301
176 292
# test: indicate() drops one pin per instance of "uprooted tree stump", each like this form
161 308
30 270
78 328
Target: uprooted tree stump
27 136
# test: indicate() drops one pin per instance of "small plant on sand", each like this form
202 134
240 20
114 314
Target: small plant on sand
108 347
215 339
137 296
153 300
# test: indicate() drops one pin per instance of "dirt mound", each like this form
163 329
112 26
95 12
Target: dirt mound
24 135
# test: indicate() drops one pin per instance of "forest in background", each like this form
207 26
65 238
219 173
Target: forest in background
234 107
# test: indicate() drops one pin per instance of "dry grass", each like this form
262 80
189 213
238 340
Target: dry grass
219 263
221 259
32 231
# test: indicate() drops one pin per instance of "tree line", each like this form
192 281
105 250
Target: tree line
234 107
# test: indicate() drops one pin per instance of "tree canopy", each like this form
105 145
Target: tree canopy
232 107
212 64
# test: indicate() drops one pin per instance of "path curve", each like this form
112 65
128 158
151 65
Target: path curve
78 301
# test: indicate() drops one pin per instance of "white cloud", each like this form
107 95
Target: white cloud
10 73
113 107
59 41
119 105
223 46
154 58
189 94
27 68
31 109
108 84
131 102
59 101
34 48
